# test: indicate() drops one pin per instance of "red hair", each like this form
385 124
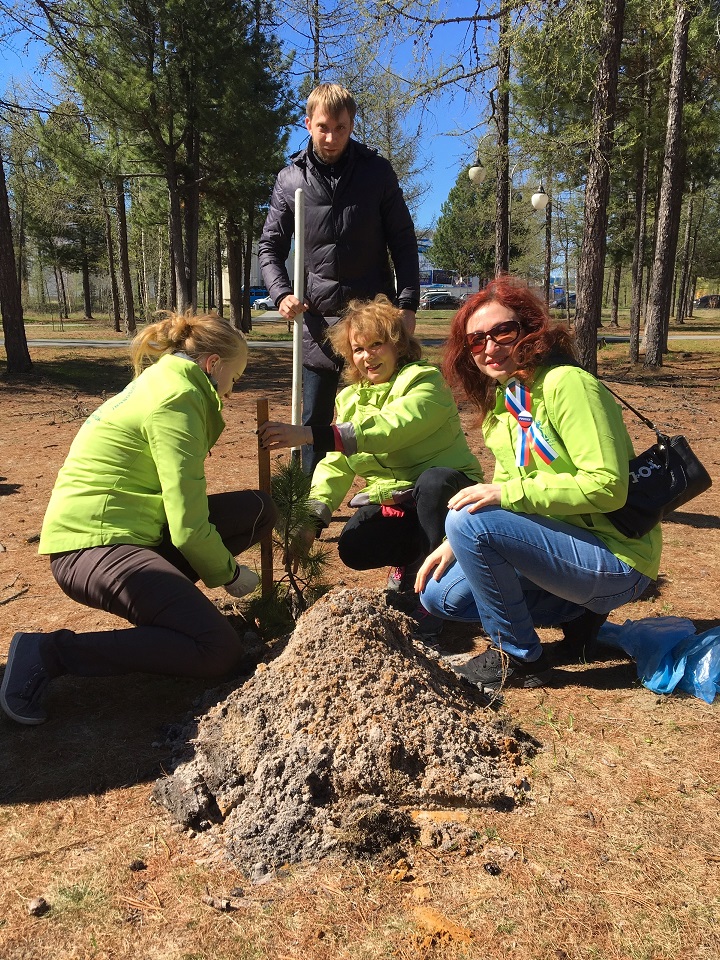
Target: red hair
539 343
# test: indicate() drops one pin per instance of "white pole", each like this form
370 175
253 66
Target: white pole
299 291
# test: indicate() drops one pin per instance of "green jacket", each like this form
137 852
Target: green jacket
584 424
402 427
137 467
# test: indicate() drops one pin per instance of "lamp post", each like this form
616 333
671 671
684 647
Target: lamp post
541 201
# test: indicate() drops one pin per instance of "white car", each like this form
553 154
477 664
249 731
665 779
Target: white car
263 303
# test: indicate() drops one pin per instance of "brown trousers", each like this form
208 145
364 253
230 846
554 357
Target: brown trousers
177 629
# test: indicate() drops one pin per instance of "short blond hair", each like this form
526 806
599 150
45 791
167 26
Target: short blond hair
333 99
376 319
198 336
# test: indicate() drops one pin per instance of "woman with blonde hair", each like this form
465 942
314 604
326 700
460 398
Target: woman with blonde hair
398 428
130 527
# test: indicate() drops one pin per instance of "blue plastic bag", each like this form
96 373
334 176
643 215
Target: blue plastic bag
669 654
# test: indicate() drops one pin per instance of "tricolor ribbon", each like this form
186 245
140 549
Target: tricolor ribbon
519 402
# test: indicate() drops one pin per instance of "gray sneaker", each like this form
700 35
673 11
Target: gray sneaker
402 579
495 669
25 681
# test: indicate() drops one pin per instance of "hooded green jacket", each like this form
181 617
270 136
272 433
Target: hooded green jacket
402 428
584 424
137 468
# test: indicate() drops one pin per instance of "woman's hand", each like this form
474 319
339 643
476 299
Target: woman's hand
438 561
274 435
479 495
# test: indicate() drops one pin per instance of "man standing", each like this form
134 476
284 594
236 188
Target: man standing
354 214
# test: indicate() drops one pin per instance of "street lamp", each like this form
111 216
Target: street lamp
477 173
540 199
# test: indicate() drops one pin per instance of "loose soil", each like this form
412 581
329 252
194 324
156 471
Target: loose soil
608 850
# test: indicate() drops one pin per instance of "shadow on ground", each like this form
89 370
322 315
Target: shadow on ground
100 735
702 521
106 732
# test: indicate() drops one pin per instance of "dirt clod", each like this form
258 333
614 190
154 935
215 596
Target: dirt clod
38 907
329 747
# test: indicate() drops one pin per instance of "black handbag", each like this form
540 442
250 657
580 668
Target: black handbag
663 478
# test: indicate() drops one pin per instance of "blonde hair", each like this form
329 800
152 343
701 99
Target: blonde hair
376 319
197 336
333 99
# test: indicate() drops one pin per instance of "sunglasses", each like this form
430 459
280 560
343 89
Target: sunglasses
502 333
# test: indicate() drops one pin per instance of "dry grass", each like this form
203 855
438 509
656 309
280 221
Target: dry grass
613 856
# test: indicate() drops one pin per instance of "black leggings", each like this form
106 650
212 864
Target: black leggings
371 539
177 629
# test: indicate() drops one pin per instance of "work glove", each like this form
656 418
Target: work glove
244 582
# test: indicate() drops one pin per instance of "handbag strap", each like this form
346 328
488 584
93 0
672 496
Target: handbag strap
648 423
662 437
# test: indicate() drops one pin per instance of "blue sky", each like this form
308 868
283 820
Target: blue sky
443 153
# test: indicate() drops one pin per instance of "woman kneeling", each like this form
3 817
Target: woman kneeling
535 547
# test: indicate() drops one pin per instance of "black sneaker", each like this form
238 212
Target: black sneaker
26 680
494 669
429 627
579 640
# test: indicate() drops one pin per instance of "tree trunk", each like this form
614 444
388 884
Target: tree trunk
192 220
670 190
172 267
615 301
87 294
247 265
145 280
21 264
126 278
234 262
676 215
638 262
159 287
502 165
692 280
62 293
16 348
181 301
681 304
114 295
218 270
597 188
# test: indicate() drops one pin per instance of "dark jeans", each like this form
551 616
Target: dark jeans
177 629
369 539
318 401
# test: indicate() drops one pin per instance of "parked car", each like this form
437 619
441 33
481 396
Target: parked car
263 303
439 301
710 300
561 302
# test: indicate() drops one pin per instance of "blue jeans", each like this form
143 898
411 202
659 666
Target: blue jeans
516 571
319 388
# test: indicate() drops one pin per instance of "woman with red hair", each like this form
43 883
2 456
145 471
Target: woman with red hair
534 547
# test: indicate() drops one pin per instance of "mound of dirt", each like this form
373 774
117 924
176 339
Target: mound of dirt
331 745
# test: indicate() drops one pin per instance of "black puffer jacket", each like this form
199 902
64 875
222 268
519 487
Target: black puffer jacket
348 234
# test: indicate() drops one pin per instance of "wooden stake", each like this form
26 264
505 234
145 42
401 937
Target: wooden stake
266 554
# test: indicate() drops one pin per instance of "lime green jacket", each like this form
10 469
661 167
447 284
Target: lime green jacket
137 467
584 424
401 428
